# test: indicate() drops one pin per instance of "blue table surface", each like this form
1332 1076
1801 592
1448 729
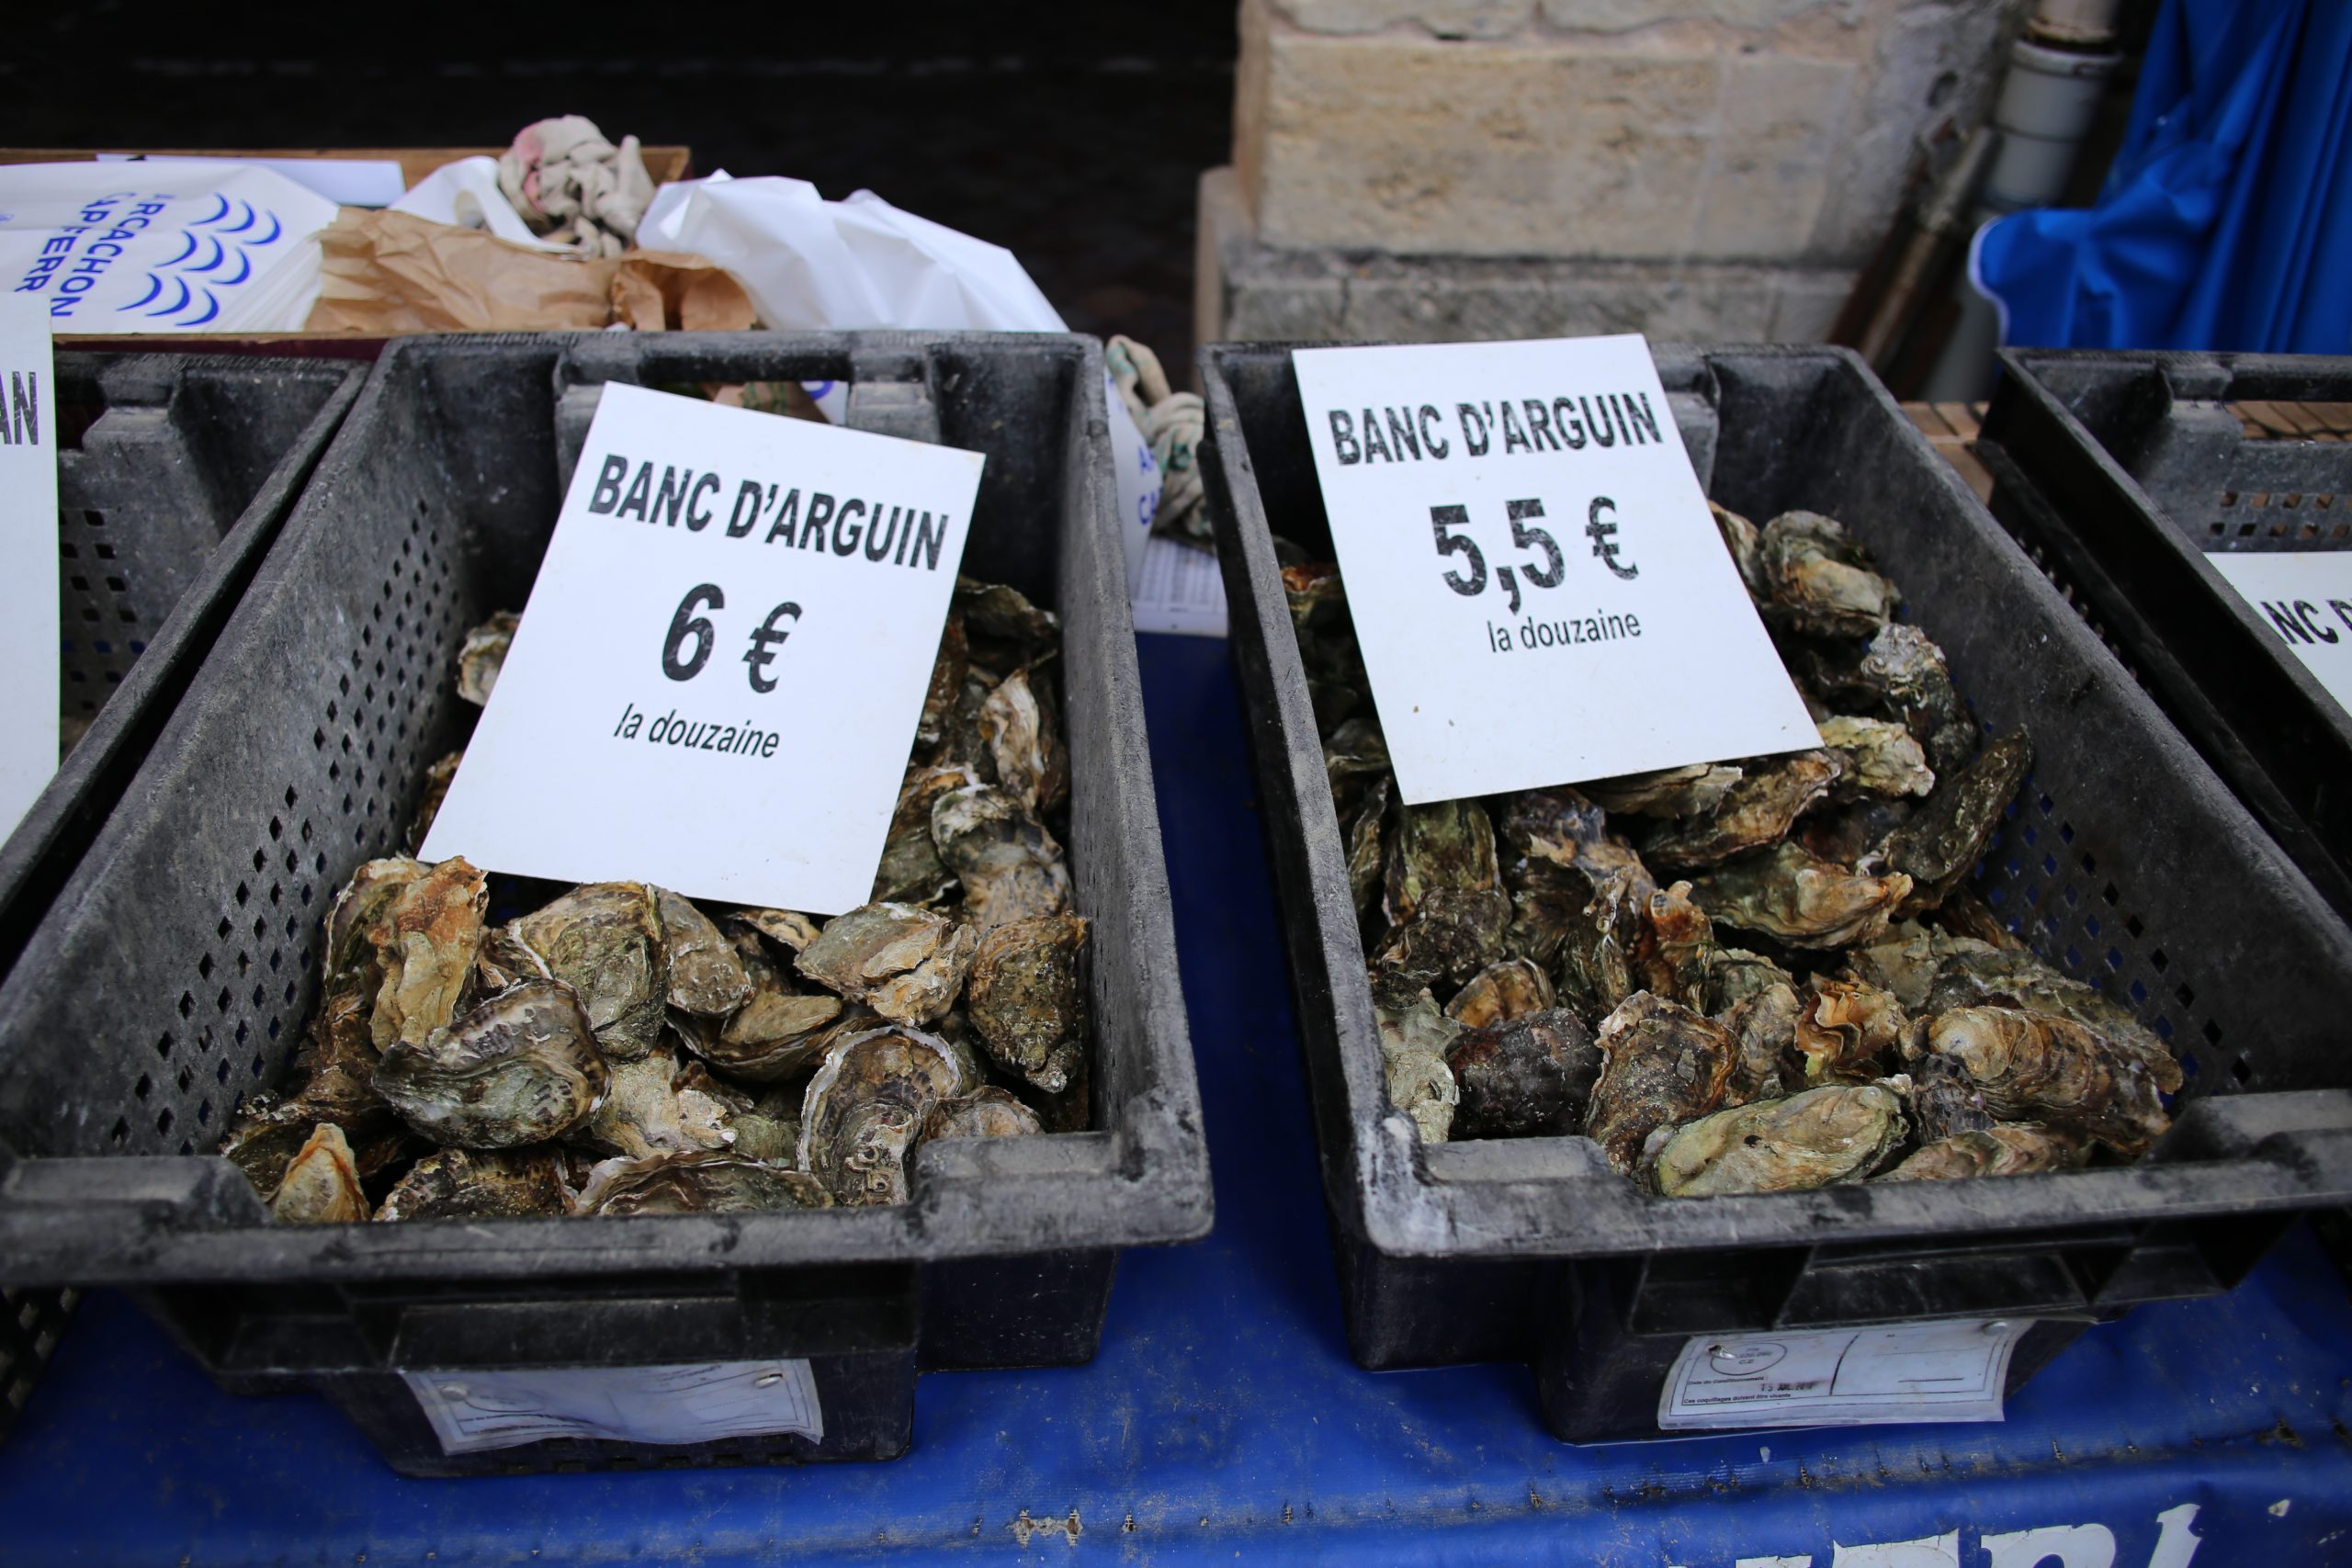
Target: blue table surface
1223 1420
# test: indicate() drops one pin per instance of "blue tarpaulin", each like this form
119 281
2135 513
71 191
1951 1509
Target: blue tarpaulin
2225 221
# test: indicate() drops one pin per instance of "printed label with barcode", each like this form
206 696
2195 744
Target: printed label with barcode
1951 1370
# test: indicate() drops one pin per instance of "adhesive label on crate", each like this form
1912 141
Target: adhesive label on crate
2305 597
1540 592
718 676
30 699
1948 1371
475 1411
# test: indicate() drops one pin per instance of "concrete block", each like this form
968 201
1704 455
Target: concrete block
1441 18
1625 16
1776 151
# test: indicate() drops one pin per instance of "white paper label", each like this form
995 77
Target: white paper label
1540 593
2305 596
718 677
28 649
473 1411
1951 1370
1181 592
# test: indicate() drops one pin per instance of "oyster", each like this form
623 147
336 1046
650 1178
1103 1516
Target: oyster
1841 1133
471 1184
1556 837
1787 894
1414 1038
1018 727
358 923
788 929
1027 997
774 1035
1880 757
1734 974
905 962
865 1108
2039 1067
437 790
1314 594
1964 914
321 1184
1905 960
1510 988
1907 673
769 1131
1675 954
1846 1029
1969 973
1763 1027
946 685
1660 1063
501 962
603 940
642 1112
1450 844
1855 834
984 1113
706 976
1692 791
520 1069
427 954
1597 955
1944 1100
2003 1149
483 654
1367 849
1818 581
1355 754
911 871
1770 794
1003 629
1011 866
696 1184
1531 1075
1747 546
1455 933
266 1134
1943 843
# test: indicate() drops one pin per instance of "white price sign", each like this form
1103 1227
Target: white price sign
28 652
1539 591
2306 597
716 681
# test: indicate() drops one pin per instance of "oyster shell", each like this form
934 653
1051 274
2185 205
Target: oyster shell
1790 896
428 805
788 929
905 962
1880 757
1855 834
1510 989
1945 1102
1745 544
774 1035
1660 1063
1557 838
473 1184
1027 997
503 961
1841 1133
1011 868
1455 933
427 955
1964 914
1003 629
321 1184
1770 794
1818 581
1355 753
1969 973
1414 1038
1734 974
1596 956
603 940
1531 1075
865 1106
1315 595
1691 791
2039 1067
2003 1149
1846 1029
946 685
911 871
1018 727
696 1184
706 976
358 923
984 1113
1947 837
520 1069
1367 847
1905 960
483 654
1763 1027
1907 673
642 1113
1675 953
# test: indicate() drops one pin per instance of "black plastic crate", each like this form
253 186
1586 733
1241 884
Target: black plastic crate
2125 861
182 960
173 475
2120 472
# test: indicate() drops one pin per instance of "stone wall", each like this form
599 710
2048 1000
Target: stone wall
1423 168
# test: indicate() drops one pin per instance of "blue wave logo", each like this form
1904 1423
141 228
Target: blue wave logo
180 289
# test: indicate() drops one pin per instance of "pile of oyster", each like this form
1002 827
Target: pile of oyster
1746 977
621 1050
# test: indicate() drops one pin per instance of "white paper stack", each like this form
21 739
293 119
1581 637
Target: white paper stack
162 247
